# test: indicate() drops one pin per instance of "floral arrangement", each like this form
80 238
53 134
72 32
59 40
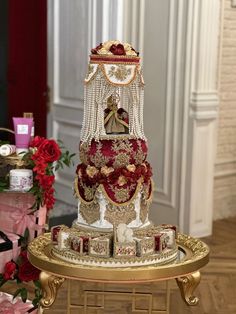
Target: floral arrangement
44 157
120 176
22 271
115 47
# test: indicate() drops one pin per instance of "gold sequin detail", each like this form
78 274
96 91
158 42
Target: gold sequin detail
90 212
124 145
98 158
83 153
139 156
121 160
89 191
120 72
144 208
121 194
120 214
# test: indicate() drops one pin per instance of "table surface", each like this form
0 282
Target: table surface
193 255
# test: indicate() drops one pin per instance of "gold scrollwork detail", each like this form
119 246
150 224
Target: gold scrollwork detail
50 285
98 158
120 214
144 206
90 211
37 247
187 285
198 248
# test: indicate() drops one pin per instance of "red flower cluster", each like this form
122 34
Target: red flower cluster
141 171
46 152
25 271
10 270
117 50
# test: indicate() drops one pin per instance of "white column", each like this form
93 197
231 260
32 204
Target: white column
199 128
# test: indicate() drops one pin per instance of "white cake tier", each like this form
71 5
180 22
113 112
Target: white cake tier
129 214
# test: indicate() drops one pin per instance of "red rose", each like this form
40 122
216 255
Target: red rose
9 270
49 151
94 50
28 272
37 141
117 50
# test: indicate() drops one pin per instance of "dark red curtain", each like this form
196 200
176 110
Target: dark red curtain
27 61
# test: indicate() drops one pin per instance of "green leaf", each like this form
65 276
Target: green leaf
17 292
37 284
26 234
24 294
36 300
2 282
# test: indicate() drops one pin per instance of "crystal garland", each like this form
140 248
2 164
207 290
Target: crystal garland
103 91
135 103
96 93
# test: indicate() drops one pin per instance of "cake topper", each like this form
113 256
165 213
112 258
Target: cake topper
114 92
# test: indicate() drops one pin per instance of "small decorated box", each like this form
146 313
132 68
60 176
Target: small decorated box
63 238
145 246
170 238
160 242
85 244
123 249
100 247
55 232
15 217
80 244
9 248
173 227
77 244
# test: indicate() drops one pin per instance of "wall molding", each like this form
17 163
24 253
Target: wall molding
201 111
167 195
204 105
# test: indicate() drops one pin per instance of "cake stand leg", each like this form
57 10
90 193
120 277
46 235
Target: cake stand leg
187 284
50 285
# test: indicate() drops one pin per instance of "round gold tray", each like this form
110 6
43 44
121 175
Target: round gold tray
193 254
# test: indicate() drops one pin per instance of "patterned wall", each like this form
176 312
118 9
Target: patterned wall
225 169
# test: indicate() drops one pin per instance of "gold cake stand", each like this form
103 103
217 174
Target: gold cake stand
193 255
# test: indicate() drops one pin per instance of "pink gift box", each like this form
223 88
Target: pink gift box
14 214
16 306
9 248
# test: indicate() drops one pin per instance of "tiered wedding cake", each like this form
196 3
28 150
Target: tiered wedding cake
113 181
